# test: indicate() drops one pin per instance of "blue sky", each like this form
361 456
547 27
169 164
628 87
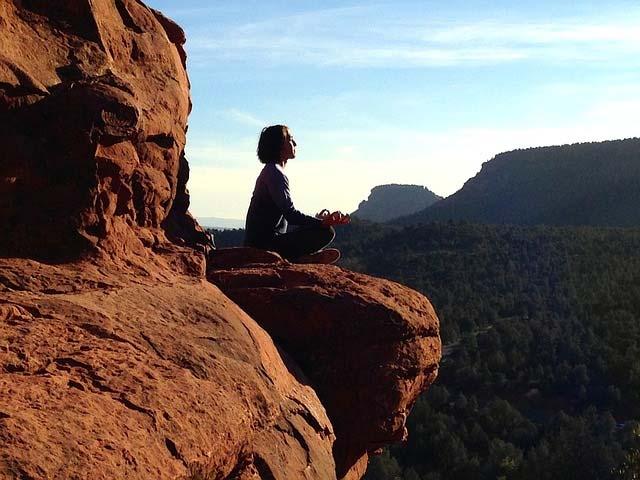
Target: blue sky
397 92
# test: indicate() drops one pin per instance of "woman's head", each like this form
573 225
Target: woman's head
276 144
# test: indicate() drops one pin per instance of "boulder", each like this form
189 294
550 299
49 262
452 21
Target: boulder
107 373
370 346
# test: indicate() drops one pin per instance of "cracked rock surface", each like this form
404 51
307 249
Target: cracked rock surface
94 99
108 373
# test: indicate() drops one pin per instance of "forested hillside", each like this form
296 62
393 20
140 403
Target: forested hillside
595 184
541 378
541 327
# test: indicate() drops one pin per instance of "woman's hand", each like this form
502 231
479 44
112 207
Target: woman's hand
335 218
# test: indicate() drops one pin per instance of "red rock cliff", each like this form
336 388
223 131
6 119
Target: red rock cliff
90 150
118 357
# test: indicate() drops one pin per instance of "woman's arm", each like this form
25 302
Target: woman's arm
278 186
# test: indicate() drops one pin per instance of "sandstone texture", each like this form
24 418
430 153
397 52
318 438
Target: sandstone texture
94 99
129 349
115 374
369 346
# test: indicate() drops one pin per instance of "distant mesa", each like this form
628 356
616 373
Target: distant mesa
596 184
387 202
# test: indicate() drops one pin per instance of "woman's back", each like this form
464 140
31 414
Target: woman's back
264 217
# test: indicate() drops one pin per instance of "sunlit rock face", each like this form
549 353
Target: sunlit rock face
108 373
370 346
94 99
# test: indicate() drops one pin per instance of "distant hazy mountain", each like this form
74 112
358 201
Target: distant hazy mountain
580 184
387 202
221 223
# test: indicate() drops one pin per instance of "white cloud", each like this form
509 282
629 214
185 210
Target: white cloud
538 33
245 118
379 36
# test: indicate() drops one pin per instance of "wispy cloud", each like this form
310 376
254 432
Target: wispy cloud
538 33
378 37
245 118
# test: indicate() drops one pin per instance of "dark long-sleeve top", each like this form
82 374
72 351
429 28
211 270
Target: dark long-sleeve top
271 208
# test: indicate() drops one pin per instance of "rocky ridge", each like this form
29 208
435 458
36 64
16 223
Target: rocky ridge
583 184
120 357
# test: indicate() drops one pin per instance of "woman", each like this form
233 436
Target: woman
271 209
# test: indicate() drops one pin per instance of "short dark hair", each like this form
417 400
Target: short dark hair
270 144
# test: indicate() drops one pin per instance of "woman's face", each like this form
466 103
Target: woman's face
288 147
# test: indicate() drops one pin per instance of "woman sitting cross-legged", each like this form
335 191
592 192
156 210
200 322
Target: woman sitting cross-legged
271 209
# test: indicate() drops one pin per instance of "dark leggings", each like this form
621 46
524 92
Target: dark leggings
302 241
